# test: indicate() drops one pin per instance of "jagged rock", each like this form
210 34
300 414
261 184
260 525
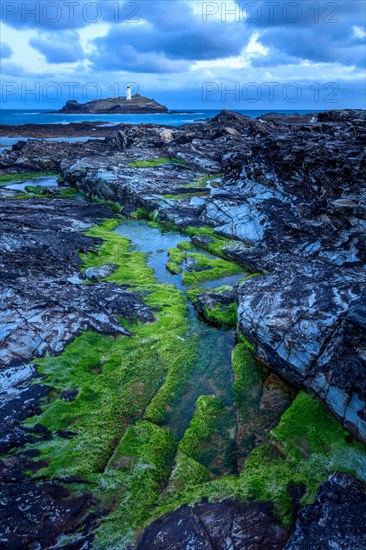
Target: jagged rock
308 324
335 520
292 191
95 273
42 308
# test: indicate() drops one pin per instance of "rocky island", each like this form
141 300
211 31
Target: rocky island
137 104
183 352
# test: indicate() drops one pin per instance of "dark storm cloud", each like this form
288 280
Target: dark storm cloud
166 36
172 34
59 48
130 48
315 46
321 32
114 56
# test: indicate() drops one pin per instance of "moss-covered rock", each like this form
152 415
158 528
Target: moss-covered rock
151 163
197 268
217 307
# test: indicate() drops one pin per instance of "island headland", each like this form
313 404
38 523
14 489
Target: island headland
136 104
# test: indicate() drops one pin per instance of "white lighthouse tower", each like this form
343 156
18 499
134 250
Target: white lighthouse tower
128 93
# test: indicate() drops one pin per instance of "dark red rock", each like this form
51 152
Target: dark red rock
216 526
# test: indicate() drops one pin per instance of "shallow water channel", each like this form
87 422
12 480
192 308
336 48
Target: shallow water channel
20 185
213 374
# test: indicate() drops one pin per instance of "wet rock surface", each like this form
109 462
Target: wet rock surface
309 327
219 526
45 302
74 129
290 193
291 188
33 515
335 520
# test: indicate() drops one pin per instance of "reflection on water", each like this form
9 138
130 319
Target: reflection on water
242 424
246 418
213 375
45 181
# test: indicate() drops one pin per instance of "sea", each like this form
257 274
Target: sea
43 116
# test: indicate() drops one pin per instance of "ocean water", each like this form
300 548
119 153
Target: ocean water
42 116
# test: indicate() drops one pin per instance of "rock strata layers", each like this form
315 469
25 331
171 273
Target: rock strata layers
291 192
289 195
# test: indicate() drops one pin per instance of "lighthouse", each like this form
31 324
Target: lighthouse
128 93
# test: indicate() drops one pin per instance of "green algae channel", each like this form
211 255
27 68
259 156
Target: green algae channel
178 411
5 179
156 162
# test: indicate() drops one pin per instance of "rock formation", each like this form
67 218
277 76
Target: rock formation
286 196
292 190
138 104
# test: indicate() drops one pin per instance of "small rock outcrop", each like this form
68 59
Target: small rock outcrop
138 104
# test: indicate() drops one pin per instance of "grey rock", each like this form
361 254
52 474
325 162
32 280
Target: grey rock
95 273
42 309
309 327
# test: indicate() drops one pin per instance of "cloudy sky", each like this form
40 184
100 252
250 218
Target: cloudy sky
185 53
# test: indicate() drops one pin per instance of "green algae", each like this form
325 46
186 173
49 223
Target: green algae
120 374
6 178
209 270
137 472
151 163
118 379
216 243
187 474
38 191
141 214
127 390
222 314
114 206
211 428
203 181
187 195
202 269
281 463
41 192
